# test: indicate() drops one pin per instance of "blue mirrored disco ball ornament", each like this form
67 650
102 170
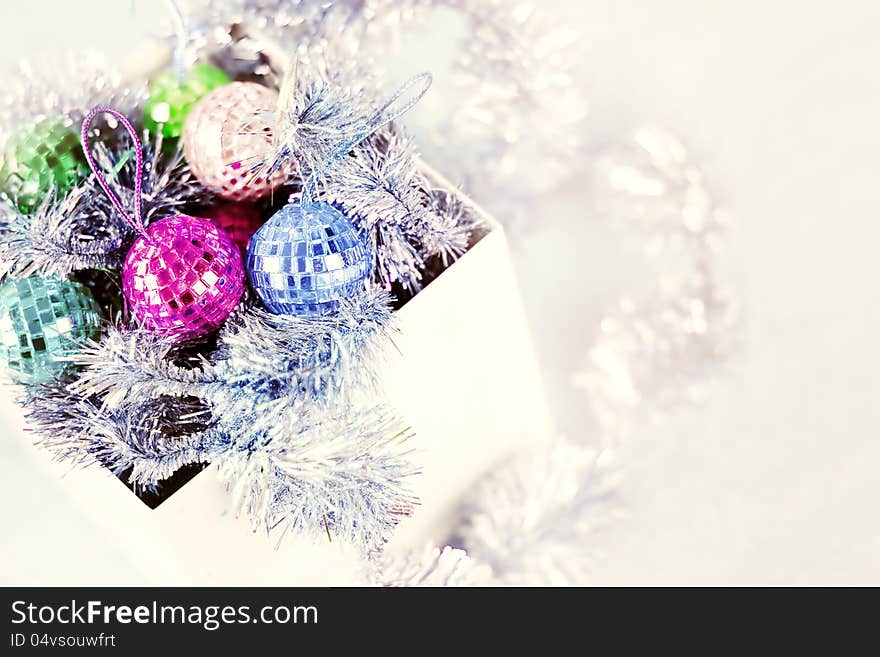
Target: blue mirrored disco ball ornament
42 318
305 259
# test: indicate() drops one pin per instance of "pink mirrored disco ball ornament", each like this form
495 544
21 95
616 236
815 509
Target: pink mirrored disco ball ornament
239 220
228 135
183 275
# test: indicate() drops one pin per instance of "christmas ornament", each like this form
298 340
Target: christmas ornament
39 158
239 220
305 259
308 256
41 321
173 96
228 136
183 275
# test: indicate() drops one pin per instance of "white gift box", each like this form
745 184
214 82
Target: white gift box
465 378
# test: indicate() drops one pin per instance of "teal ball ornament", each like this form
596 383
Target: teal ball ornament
42 318
306 259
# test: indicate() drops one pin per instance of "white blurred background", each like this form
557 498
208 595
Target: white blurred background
772 481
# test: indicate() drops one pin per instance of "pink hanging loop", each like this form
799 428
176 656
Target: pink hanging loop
138 221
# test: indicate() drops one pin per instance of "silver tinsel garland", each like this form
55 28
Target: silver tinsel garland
337 473
59 238
404 218
431 566
322 362
537 519
67 85
656 353
323 103
516 104
341 474
287 409
290 413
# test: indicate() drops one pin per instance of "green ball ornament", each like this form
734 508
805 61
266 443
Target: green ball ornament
40 157
41 320
172 97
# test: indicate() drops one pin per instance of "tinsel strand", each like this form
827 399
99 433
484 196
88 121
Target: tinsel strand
656 353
